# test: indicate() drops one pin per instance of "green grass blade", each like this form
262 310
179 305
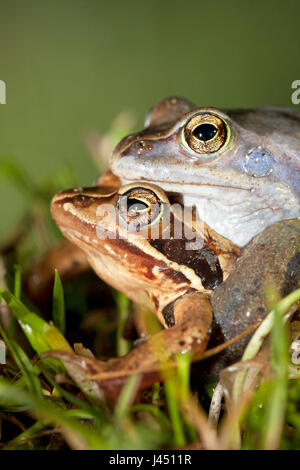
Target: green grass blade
183 372
18 176
260 334
24 364
13 396
42 336
155 411
17 293
17 282
276 404
174 411
58 310
77 435
92 410
123 306
25 435
125 399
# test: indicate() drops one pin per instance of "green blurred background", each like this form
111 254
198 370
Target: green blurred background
71 66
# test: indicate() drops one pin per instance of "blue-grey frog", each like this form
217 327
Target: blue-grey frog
240 168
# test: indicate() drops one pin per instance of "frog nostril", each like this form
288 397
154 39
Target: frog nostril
142 146
258 162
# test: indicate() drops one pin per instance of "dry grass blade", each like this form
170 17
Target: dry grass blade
197 417
217 349
215 405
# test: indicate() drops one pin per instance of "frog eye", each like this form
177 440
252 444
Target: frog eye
139 207
206 133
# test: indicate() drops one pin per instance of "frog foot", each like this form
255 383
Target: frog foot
105 379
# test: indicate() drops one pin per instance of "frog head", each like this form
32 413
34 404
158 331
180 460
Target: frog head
239 168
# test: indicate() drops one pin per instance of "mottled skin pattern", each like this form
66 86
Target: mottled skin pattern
252 181
272 259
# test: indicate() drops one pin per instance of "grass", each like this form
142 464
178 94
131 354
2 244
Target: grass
42 408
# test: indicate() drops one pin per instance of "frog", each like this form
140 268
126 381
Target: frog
170 270
163 262
213 291
238 167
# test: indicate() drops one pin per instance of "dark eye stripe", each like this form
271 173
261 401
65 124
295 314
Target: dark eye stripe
203 261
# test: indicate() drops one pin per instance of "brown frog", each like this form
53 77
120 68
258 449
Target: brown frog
185 287
239 168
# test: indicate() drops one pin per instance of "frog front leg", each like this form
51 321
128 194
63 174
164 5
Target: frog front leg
190 333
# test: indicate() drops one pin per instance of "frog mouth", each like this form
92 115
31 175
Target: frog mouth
175 186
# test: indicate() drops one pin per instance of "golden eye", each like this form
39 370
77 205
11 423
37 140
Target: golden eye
206 133
139 207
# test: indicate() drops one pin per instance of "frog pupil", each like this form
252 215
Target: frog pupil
205 132
135 205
